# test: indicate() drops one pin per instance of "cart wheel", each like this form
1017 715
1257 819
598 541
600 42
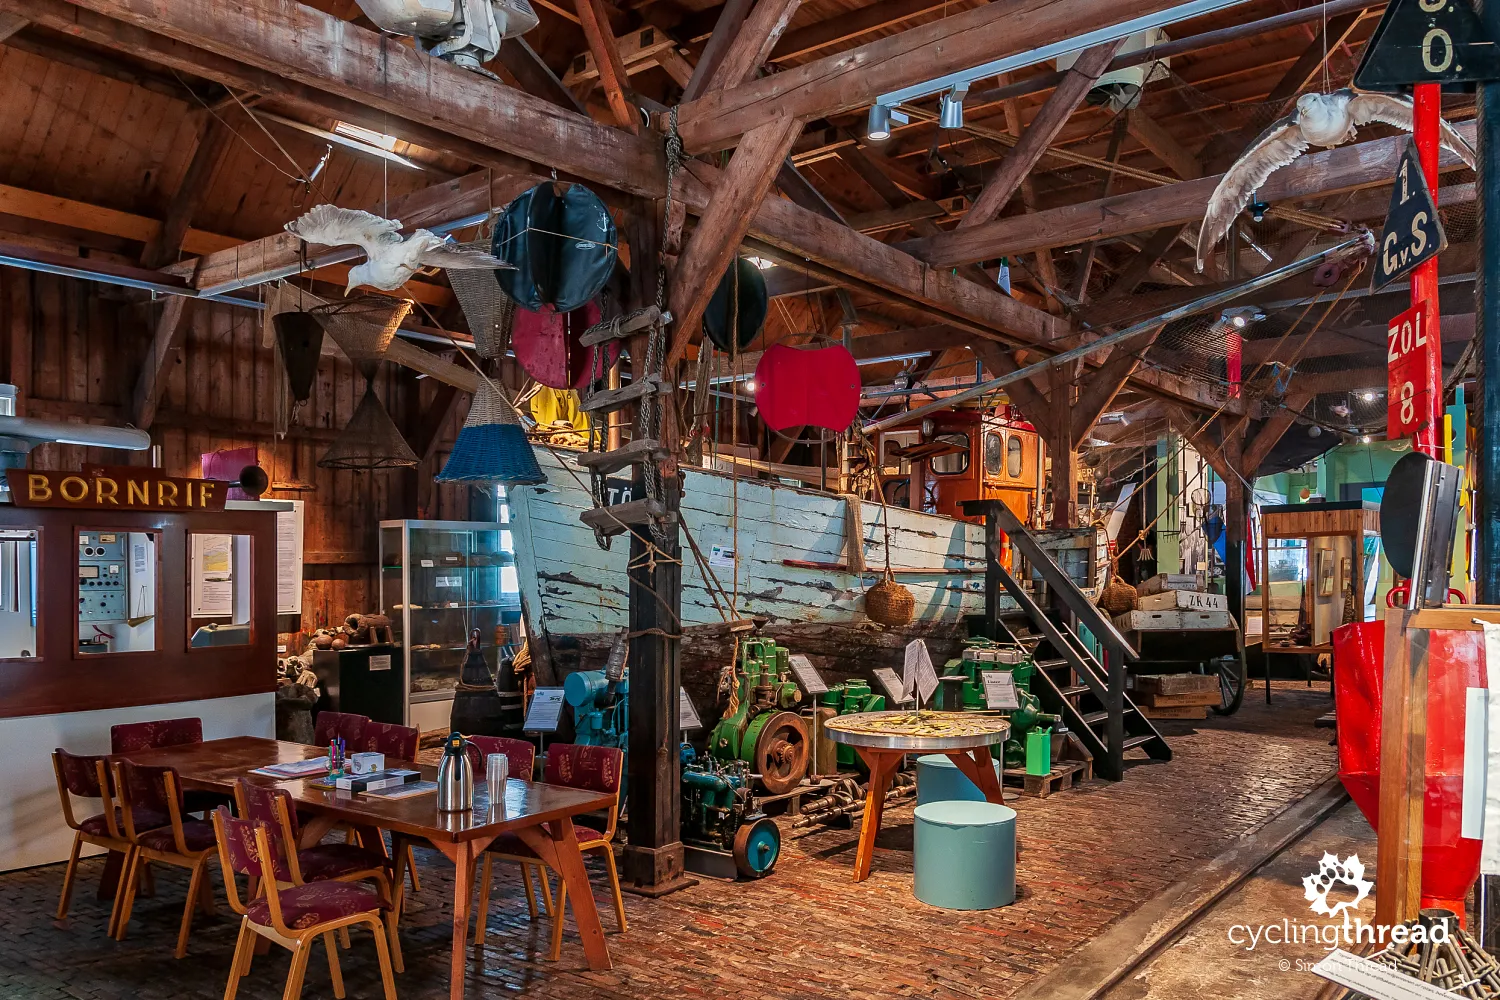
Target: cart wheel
1231 685
756 847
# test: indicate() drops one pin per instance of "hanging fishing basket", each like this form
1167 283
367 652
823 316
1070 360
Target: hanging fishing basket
889 603
363 327
1118 597
492 445
489 311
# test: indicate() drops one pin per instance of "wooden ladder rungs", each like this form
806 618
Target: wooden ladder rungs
616 518
613 399
628 327
635 453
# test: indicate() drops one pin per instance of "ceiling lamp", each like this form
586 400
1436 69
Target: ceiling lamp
878 129
951 108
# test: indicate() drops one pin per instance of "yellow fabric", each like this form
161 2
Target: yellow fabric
550 407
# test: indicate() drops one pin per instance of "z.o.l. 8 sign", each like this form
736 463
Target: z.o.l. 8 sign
1407 406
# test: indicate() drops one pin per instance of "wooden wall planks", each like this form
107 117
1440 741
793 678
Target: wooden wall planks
73 349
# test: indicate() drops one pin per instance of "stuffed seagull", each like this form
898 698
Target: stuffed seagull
1318 120
393 258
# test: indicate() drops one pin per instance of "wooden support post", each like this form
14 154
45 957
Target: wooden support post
1403 771
1237 501
171 327
1060 447
594 20
653 860
1114 703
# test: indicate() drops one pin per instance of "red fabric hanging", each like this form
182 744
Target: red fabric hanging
546 346
816 388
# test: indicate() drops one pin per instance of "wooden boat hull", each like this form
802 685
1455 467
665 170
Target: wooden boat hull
578 596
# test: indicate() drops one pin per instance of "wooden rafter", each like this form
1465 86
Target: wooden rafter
1039 134
10 24
851 79
434 418
1101 387
594 20
1259 447
751 45
213 139
731 18
527 70
848 25
1150 133
171 329
724 223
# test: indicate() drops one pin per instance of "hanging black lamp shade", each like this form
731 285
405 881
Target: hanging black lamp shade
562 243
300 337
743 284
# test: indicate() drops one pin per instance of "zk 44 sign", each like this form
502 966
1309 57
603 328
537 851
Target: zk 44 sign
1406 355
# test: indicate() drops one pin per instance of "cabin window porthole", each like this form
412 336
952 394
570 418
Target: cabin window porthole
1013 457
956 461
994 447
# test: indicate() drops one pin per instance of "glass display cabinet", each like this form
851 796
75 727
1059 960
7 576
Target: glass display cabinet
438 581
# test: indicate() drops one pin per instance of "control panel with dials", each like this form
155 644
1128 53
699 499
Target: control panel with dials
102 576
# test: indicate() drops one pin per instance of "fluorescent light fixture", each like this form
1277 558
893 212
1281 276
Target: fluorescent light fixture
764 263
1044 53
367 136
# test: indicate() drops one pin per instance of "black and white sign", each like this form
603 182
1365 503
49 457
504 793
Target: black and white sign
1427 41
892 684
1413 229
1000 691
618 489
545 711
807 675
381 662
687 715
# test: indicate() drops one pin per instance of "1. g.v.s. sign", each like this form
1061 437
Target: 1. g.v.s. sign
125 488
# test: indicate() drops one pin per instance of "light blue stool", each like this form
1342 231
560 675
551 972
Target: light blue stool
965 855
940 780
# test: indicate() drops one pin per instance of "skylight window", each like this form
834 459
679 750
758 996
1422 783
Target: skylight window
377 139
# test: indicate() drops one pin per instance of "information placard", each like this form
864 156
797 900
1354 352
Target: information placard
1000 690
892 684
807 675
545 711
687 715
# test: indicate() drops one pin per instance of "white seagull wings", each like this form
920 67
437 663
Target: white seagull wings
393 258
1277 146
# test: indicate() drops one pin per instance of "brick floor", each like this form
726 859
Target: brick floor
1089 856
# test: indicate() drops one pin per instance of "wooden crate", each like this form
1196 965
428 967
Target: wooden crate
1175 712
1194 698
1177 684
1065 774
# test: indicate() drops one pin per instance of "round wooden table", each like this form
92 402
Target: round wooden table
882 753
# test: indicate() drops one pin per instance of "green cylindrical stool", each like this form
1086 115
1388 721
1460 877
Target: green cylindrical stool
965 855
940 780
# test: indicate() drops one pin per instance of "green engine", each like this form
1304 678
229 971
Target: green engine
760 724
847 698
963 686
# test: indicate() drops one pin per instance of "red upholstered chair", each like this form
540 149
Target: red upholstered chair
131 737
596 769
520 754
399 742
292 916
88 777
146 794
330 724
321 862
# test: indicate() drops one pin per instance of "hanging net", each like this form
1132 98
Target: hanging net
489 311
371 440
363 327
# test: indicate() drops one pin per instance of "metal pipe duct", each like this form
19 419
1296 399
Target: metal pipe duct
64 432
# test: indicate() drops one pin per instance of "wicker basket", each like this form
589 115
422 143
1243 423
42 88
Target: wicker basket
889 603
1118 597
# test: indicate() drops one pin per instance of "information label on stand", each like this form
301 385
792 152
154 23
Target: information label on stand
1406 405
1413 231
545 711
892 684
381 662
1427 41
807 675
1000 690
687 714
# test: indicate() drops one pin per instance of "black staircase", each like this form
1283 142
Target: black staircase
1072 682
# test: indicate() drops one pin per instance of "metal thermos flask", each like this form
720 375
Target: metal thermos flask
455 780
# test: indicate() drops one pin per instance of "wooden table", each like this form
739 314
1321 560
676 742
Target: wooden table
540 815
883 753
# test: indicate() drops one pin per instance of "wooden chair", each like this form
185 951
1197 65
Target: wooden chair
346 724
321 862
88 777
147 793
399 743
295 916
596 769
130 737
522 759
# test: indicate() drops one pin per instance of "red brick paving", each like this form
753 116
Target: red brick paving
1089 856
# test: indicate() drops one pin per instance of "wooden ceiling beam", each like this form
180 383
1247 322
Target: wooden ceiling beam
731 18
1149 133
1347 168
748 50
852 79
10 24
845 26
1100 388
166 344
534 76
724 222
1257 448
321 51
594 20
170 241
1039 134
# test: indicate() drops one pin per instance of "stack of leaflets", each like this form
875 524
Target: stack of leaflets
376 780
